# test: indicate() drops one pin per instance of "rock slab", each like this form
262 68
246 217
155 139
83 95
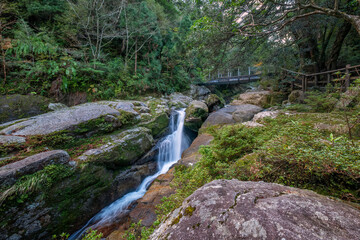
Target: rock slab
232 114
231 209
10 172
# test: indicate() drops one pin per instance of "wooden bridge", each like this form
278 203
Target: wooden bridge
233 77
231 80
339 78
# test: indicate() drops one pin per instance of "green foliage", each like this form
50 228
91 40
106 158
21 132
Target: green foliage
288 150
322 102
42 180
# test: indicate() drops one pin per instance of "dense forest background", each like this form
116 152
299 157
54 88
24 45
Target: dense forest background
119 48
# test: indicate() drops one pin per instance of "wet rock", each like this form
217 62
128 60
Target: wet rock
157 125
11 140
10 172
213 102
231 115
260 99
17 106
66 119
196 113
56 106
231 209
122 149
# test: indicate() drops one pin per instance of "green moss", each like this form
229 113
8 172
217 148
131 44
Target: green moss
189 211
158 125
176 220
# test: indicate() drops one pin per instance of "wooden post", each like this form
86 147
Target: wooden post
306 83
292 85
303 85
347 77
328 79
238 72
316 80
249 70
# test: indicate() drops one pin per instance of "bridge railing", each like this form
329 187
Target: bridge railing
342 77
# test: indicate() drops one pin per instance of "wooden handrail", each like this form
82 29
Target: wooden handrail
320 73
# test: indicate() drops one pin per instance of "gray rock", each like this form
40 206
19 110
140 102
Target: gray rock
57 106
10 172
266 114
11 139
64 119
15 237
126 106
122 149
231 209
226 115
198 92
179 100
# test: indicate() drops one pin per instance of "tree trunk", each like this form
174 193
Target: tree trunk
136 55
339 40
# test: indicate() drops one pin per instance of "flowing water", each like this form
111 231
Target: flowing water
170 149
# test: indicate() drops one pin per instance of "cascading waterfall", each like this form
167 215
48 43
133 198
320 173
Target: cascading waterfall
170 149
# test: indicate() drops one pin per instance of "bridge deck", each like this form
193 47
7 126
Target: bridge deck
231 80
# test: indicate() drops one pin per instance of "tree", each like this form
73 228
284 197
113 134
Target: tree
98 22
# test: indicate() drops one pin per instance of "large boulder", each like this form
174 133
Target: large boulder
196 114
260 98
121 149
191 155
231 209
232 114
179 100
17 106
198 92
213 102
78 119
10 172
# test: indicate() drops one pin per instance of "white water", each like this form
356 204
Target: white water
170 149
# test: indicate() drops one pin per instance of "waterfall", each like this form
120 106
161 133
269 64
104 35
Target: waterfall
170 149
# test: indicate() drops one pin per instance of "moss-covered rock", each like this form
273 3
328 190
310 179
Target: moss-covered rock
196 114
21 106
214 102
158 125
121 149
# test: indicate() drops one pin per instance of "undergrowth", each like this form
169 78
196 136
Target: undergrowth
288 151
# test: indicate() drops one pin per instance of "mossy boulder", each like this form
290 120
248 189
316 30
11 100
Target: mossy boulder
260 98
196 114
157 125
213 102
296 96
18 106
121 149
81 119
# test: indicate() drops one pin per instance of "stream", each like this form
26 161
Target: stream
170 150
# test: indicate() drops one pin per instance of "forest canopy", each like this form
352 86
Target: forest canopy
114 49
